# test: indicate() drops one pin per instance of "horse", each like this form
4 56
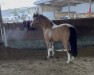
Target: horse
65 33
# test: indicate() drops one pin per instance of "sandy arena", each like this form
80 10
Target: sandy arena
34 62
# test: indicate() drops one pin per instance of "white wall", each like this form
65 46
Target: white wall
49 15
72 9
79 8
82 8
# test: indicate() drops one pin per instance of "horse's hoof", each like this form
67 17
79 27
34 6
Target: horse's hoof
52 57
72 58
67 62
48 57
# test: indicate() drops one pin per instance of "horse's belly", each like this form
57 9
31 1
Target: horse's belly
56 37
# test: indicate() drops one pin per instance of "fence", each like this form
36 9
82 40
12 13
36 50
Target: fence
20 37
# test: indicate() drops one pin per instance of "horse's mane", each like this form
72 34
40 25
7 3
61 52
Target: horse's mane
45 18
48 22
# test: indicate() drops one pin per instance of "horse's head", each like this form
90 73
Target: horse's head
41 20
36 20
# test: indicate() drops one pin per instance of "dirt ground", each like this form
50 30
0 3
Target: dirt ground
34 62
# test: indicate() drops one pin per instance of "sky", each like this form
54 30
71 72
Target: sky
10 4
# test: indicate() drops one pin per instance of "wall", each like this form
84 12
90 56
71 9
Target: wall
20 37
79 8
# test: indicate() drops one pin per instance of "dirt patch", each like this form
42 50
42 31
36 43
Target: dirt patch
33 62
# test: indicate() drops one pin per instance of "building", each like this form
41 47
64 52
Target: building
62 9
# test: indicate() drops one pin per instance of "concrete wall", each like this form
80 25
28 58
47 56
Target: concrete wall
20 37
79 8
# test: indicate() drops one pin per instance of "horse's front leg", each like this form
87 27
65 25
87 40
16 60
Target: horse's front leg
53 53
49 52
50 48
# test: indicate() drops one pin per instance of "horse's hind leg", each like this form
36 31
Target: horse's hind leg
72 57
68 61
66 46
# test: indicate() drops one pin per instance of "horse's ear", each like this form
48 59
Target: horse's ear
37 14
34 15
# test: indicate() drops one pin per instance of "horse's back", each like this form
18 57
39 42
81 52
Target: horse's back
61 32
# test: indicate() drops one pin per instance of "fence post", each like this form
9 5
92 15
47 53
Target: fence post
2 28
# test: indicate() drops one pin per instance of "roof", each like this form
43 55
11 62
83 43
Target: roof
59 2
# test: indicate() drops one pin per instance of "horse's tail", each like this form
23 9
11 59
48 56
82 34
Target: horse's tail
73 41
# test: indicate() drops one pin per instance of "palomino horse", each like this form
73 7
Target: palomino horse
64 33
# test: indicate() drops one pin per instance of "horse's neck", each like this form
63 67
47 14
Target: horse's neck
46 29
46 25
49 27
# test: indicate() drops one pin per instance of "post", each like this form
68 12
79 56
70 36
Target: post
2 38
53 8
2 28
69 8
89 8
42 9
